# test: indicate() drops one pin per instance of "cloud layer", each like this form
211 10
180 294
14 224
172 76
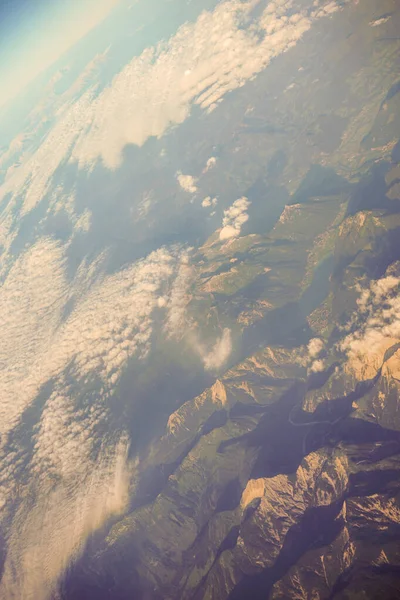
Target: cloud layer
199 65
70 477
76 471
45 537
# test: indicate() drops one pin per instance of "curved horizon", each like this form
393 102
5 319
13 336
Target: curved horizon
42 33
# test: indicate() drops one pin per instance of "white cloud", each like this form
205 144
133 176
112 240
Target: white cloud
47 535
158 88
145 204
75 485
380 21
34 177
77 478
210 164
208 201
179 298
377 327
329 9
228 232
315 347
162 302
187 183
317 366
234 219
313 357
112 322
219 354
83 222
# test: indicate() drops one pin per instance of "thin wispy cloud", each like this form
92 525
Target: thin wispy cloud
46 537
219 353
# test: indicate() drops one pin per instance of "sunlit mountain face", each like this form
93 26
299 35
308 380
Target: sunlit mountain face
199 300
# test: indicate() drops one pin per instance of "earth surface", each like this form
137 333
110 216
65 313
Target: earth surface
200 311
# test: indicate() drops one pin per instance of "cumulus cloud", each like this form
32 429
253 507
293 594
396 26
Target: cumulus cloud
84 221
315 347
313 358
208 201
376 326
210 164
234 219
187 183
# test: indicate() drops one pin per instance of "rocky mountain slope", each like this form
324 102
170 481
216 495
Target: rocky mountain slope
281 480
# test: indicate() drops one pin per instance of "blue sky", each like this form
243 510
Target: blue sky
35 33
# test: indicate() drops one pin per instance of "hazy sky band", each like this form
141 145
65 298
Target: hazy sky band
34 34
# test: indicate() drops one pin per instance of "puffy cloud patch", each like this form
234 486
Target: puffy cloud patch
317 366
208 201
145 204
83 222
234 219
377 327
313 358
59 202
210 164
315 347
187 183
